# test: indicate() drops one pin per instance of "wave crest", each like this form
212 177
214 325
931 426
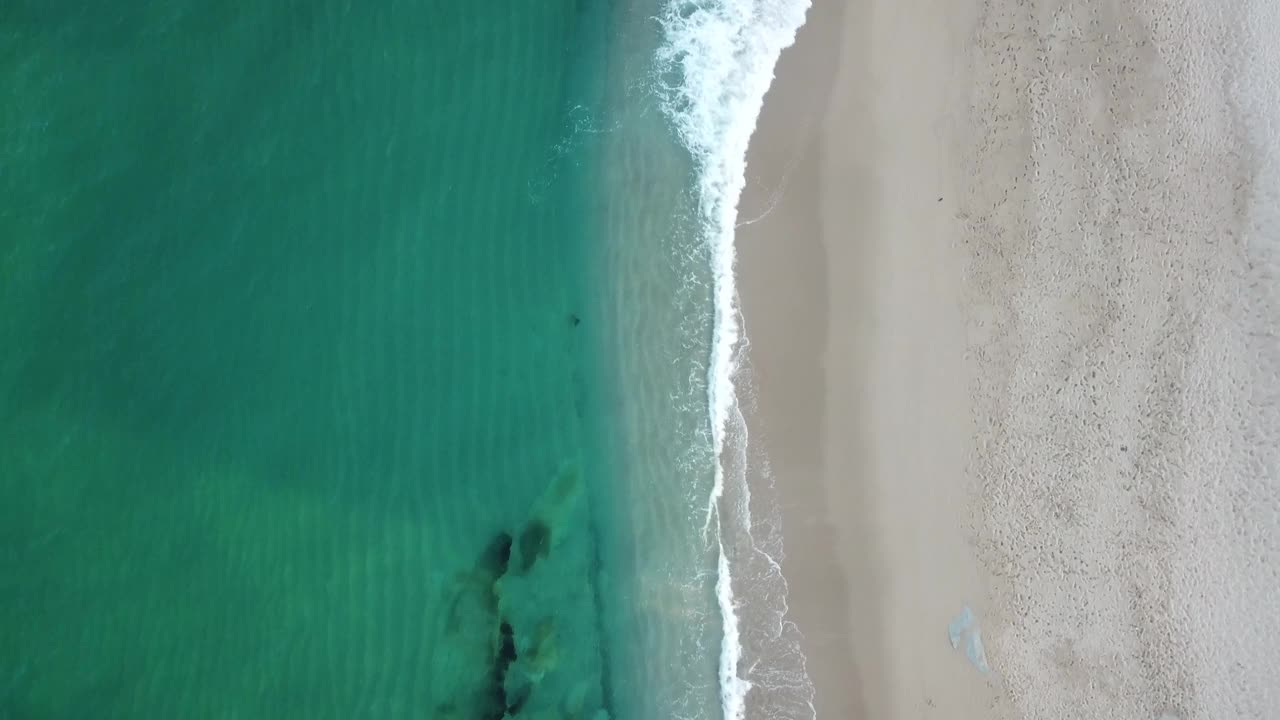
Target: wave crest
713 69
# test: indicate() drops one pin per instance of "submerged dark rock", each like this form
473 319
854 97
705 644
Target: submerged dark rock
511 610
506 655
497 556
535 543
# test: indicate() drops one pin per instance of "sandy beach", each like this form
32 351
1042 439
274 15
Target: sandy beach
849 289
1008 279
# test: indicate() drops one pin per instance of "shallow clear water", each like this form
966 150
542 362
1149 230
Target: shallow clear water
359 359
294 379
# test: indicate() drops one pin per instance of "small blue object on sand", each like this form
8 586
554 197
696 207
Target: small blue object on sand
964 629
959 626
975 652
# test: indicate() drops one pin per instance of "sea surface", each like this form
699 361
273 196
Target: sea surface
368 360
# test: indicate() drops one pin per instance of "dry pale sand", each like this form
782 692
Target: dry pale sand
1008 273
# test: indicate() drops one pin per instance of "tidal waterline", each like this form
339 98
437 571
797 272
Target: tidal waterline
363 361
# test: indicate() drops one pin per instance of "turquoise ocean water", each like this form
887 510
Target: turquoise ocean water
355 362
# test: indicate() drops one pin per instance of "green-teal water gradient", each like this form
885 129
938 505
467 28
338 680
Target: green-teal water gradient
293 360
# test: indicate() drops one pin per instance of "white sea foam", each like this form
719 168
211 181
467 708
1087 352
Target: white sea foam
714 67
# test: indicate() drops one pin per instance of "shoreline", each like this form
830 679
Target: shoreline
854 379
